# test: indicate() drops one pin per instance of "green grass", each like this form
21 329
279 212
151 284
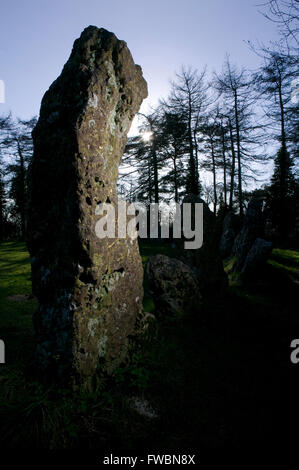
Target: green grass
287 261
289 256
152 248
283 263
215 379
15 280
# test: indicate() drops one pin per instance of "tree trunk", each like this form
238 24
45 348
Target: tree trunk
232 175
156 177
196 158
282 118
175 177
224 169
283 183
22 192
239 157
214 175
149 183
193 182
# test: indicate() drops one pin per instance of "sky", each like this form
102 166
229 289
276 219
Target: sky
36 38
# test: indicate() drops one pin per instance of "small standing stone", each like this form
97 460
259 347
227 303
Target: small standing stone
174 287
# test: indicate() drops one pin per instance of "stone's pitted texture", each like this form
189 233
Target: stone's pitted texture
206 260
229 232
251 229
89 289
174 287
257 256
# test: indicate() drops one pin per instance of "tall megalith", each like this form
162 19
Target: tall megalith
89 289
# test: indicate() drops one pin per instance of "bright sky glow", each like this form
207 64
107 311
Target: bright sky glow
146 136
36 37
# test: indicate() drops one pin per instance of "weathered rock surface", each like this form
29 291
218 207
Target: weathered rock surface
89 289
206 261
229 232
257 256
252 228
174 287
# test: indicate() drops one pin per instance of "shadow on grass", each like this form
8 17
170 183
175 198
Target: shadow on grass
220 379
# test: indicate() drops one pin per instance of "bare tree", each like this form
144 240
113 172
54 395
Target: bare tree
189 99
285 13
5 126
234 85
18 149
274 84
173 151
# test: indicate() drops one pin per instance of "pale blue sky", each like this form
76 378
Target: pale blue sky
36 38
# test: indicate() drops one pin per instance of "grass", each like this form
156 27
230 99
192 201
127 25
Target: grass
221 378
15 280
152 248
287 261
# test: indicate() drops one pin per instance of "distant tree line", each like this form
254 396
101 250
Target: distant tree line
227 126
16 150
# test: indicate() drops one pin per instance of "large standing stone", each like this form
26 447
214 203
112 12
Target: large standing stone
89 289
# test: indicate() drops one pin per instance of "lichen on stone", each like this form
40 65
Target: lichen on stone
87 287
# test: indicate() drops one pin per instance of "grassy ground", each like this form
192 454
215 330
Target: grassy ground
223 378
286 261
15 281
